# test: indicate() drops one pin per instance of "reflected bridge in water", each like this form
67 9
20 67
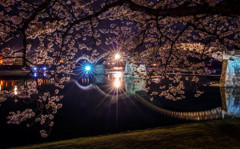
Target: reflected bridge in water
135 87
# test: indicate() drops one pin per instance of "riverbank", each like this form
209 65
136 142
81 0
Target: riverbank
13 70
4 73
208 134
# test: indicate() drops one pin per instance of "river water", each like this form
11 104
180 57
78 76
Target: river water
109 104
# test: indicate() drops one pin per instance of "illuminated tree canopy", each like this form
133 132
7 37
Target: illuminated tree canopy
164 32
168 33
49 30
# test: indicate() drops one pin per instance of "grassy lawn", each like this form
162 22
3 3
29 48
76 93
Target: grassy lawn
211 134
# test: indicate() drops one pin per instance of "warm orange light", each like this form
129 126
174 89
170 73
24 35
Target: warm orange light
1 60
117 56
117 68
1 85
15 90
61 61
40 81
117 83
117 75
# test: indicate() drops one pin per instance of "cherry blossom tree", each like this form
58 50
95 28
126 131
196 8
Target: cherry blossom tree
50 30
168 33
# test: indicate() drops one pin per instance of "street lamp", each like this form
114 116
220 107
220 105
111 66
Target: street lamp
117 56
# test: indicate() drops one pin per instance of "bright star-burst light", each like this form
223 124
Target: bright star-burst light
84 69
117 56
117 83
87 68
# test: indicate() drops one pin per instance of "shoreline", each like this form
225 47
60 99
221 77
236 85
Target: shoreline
203 134
5 73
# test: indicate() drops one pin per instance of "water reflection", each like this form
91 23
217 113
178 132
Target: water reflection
117 80
231 101
135 88
128 90
15 90
111 85
21 88
114 80
133 85
31 100
6 84
12 84
116 83
215 113
85 80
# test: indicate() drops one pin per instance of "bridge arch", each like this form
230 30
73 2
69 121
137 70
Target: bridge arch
101 57
215 113
84 57
92 60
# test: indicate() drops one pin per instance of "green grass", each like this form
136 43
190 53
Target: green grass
211 134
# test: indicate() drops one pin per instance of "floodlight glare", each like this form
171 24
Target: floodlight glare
87 68
44 68
117 83
35 68
117 56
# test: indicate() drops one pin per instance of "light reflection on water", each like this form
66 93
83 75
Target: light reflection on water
129 86
11 84
117 80
135 87
14 88
231 100
116 83
128 89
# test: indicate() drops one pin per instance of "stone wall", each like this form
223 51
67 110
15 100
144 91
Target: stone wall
99 69
134 71
230 76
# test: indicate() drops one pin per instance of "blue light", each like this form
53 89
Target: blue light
44 68
87 68
35 68
35 74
